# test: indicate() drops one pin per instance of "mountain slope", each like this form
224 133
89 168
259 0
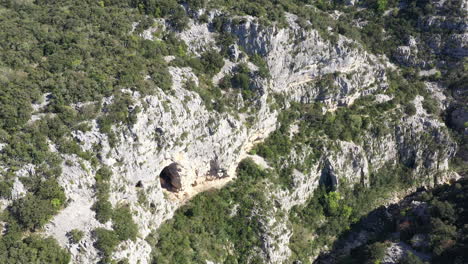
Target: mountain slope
115 114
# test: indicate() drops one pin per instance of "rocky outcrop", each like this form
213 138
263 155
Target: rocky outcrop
299 60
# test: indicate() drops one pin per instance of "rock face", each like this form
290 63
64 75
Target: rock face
193 149
396 251
300 61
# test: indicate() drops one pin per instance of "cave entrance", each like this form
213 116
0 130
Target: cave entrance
139 184
328 179
170 178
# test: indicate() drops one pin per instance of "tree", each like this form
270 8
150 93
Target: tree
103 209
381 5
332 203
5 189
34 249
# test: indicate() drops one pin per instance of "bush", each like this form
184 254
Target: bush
263 70
103 209
123 223
431 106
443 210
106 241
103 174
31 212
75 235
160 76
37 208
241 81
375 252
276 145
410 109
212 62
5 189
248 170
442 236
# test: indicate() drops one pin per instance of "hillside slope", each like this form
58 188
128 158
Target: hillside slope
219 131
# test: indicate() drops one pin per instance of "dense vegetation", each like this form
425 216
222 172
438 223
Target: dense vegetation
32 249
442 227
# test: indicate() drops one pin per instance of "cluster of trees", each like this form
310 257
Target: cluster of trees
442 226
102 206
30 213
32 249
43 201
447 227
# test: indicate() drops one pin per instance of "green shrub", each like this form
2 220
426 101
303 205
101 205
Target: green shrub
410 258
5 189
103 174
443 210
123 223
31 212
106 241
375 252
410 109
75 235
103 209
241 81
431 106
212 62
441 236
102 206
263 70
35 209
276 145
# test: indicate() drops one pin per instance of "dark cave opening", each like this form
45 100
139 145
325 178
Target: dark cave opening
170 178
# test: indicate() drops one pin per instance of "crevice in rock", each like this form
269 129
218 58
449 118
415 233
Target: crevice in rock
328 178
